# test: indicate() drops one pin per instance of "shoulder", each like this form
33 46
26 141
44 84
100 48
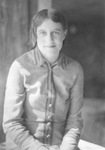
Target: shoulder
72 64
25 59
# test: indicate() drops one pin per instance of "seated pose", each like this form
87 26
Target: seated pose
44 91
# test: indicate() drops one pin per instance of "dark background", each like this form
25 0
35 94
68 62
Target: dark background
86 42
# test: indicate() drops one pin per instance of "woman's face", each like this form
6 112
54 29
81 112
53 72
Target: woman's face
50 37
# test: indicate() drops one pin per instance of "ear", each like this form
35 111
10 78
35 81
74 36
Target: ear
65 33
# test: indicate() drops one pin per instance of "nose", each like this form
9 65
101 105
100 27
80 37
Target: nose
49 37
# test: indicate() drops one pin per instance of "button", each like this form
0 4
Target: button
50 105
49 117
49 123
48 135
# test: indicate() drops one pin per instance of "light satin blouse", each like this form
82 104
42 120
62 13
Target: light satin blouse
43 103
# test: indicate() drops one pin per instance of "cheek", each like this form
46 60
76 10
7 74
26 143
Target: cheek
60 38
39 44
39 40
59 41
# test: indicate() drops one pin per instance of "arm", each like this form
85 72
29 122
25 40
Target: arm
74 121
13 111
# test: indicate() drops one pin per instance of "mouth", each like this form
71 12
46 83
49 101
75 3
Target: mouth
50 45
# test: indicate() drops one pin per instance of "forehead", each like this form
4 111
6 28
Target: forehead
48 24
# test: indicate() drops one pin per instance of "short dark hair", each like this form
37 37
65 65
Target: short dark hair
39 18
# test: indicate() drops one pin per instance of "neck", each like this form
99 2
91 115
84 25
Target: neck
52 59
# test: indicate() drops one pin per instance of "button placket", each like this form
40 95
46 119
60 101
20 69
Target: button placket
49 132
49 110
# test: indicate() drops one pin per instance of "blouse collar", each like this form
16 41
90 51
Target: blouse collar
40 59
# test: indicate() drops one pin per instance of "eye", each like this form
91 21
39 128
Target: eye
56 33
42 33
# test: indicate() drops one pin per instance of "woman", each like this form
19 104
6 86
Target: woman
44 91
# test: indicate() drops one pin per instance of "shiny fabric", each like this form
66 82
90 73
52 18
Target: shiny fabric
43 103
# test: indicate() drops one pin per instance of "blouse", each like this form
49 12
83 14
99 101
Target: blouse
43 103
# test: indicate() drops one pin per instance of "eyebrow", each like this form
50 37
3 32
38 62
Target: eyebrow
58 29
52 30
41 30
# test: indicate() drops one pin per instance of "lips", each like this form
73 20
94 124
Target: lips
51 46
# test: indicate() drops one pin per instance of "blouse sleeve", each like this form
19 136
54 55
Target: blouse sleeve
74 121
13 111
